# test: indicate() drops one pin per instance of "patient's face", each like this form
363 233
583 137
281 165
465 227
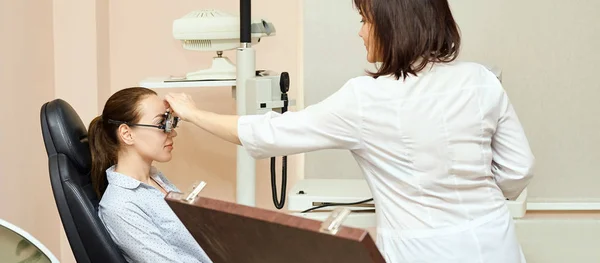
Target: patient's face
153 144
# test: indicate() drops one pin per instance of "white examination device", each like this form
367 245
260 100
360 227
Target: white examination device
217 31
255 91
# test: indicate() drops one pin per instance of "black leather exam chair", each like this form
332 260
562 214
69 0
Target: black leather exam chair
69 161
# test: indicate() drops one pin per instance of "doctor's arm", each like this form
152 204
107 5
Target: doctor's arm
513 161
334 123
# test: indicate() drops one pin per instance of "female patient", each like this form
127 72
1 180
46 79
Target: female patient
125 140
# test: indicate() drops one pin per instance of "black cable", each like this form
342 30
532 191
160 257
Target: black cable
336 204
284 84
279 204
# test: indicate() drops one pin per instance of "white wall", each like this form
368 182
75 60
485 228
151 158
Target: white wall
560 238
548 52
332 53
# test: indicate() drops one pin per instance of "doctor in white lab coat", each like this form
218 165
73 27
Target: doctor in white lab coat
437 140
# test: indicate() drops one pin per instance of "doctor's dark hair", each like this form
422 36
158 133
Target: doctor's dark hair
409 34
123 106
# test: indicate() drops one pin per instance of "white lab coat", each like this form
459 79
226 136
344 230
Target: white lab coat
440 153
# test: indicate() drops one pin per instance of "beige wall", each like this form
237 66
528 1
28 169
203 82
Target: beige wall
26 82
83 51
81 65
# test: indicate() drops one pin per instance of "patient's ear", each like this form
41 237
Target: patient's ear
125 134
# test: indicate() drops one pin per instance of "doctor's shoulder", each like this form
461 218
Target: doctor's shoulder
367 85
363 83
477 72
356 87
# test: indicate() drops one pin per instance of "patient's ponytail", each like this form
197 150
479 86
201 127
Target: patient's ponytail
121 107
104 150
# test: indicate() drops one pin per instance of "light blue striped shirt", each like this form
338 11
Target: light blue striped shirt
142 224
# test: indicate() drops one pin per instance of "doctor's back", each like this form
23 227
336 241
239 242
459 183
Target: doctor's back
442 151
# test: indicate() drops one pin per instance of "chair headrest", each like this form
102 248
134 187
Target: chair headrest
64 132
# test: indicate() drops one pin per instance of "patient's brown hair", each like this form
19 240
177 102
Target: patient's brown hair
123 106
409 34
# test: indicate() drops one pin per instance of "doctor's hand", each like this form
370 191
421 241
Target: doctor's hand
182 105
223 126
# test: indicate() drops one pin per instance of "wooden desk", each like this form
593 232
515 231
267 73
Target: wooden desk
230 232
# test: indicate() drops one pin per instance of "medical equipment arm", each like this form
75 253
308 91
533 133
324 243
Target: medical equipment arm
513 161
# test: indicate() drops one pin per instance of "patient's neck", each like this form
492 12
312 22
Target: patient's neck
133 165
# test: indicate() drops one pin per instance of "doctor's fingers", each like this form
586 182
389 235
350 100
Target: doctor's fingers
181 104
180 99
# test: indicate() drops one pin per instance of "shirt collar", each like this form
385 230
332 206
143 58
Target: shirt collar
125 181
